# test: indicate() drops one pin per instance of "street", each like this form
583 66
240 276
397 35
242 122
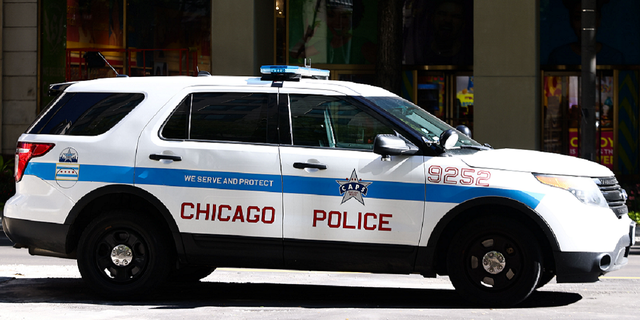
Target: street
42 287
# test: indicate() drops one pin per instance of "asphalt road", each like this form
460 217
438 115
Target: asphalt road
51 288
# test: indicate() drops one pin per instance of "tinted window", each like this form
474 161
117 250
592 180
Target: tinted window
238 117
325 121
177 127
86 113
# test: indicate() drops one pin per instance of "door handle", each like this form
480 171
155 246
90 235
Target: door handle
304 165
159 157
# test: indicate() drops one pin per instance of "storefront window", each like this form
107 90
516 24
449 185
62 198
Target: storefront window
562 114
170 24
333 31
137 37
463 109
438 32
431 94
617 28
448 96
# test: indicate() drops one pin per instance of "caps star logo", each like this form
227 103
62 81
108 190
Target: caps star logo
68 155
353 188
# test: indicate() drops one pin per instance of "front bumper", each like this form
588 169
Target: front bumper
588 266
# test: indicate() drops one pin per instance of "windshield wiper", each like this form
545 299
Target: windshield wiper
477 147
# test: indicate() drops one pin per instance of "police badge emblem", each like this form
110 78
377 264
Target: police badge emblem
353 187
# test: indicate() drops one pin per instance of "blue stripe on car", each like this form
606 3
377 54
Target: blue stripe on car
274 183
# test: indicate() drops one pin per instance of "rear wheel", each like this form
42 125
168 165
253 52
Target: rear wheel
123 256
494 261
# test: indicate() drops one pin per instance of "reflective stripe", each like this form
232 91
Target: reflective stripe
209 179
273 183
459 194
377 189
88 172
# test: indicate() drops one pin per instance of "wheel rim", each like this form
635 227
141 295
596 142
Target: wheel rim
121 255
494 262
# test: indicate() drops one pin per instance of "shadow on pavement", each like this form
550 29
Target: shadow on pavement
208 294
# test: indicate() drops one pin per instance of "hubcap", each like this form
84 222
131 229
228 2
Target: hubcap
121 255
494 262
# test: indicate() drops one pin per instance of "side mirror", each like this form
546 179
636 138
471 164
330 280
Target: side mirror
448 139
464 129
390 145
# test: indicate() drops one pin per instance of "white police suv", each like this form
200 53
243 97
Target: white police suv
152 179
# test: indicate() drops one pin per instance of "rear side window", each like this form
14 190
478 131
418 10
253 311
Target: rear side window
220 116
86 113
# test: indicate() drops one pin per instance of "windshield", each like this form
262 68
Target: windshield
421 121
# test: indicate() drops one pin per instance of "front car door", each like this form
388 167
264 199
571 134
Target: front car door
345 208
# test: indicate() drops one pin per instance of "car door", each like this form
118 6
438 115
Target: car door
344 207
211 157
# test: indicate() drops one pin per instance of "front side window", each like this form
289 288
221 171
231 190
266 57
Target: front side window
334 122
220 116
86 113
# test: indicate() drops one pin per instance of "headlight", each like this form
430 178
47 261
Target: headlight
585 189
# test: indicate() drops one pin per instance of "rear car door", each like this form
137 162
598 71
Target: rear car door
345 208
212 158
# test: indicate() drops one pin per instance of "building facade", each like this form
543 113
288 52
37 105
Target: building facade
505 68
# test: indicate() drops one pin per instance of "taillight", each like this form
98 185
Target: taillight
25 151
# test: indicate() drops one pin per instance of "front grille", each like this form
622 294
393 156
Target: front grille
614 194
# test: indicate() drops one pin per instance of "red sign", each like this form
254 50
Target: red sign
605 153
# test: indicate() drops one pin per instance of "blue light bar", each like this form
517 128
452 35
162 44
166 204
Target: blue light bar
294 72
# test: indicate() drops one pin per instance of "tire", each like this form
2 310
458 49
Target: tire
190 274
512 256
144 259
545 277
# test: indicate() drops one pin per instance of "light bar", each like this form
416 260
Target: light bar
293 72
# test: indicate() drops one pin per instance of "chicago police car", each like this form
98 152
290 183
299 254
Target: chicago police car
146 180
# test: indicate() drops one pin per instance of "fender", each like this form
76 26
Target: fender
429 260
121 189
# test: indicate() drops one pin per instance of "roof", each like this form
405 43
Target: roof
174 84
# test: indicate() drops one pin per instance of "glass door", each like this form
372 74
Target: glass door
562 114
447 95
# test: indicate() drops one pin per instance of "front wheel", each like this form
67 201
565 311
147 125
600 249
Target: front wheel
123 256
494 261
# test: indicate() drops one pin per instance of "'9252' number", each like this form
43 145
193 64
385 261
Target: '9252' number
463 176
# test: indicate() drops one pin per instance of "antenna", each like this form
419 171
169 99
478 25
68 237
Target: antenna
109 64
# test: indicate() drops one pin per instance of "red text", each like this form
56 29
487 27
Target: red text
225 213
339 219
462 176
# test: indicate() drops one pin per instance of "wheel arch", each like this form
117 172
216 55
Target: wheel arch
119 197
443 233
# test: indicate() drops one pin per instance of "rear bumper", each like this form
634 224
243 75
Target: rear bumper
588 266
36 235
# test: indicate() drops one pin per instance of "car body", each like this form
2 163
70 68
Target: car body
144 179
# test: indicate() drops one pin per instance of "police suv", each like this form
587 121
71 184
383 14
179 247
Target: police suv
153 179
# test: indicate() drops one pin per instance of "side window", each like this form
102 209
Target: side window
238 117
177 127
86 113
334 122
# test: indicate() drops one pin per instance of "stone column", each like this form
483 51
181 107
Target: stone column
506 69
